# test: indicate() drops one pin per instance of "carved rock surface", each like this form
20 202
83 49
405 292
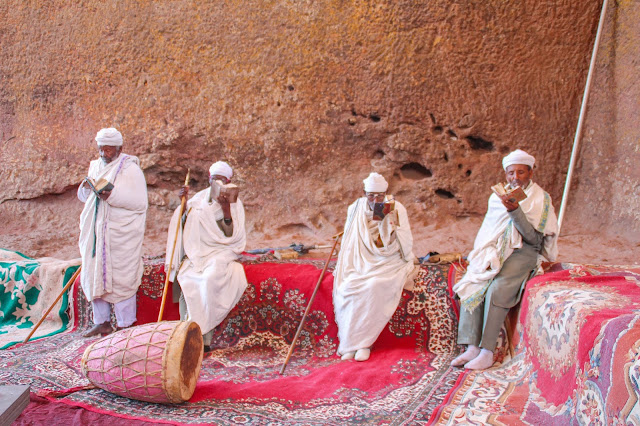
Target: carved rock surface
302 98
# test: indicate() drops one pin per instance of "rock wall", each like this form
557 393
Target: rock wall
606 192
303 98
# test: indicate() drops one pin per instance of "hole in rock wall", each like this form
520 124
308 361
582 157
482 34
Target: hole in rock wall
443 193
477 143
415 171
295 228
378 154
452 134
375 118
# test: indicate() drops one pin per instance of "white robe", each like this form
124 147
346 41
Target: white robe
498 237
368 280
211 280
116 231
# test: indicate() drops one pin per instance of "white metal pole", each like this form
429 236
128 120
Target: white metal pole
583 108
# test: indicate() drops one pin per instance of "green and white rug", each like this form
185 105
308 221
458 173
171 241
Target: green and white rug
28 287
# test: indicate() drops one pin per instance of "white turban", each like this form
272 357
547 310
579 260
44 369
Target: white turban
375 183
518 157
221 168
109 136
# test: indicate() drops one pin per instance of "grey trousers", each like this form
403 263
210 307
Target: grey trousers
182 305
482 326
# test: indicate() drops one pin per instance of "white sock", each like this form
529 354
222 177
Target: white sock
481 362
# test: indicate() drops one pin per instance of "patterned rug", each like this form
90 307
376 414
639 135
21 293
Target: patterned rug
577 355
406 379
28 287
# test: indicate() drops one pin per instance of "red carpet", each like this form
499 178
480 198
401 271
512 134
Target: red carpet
406 378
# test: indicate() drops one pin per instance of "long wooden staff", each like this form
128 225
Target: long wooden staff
306 312
183 203
64 290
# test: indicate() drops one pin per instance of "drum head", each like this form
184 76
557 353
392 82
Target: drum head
183 361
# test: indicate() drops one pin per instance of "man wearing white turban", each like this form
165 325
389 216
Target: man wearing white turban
209 242
375 263
111 233
512 241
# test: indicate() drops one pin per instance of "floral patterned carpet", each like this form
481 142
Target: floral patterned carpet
577 356
405 380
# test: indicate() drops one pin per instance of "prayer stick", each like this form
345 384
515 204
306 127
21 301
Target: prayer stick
183 203
64 290
306 312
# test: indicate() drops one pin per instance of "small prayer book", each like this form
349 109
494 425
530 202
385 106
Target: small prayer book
380 210
99 186
514 194
230 190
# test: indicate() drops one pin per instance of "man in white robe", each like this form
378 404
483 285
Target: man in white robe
512 242
111 232
375 263
209 242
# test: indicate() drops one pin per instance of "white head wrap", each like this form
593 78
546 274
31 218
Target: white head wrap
375 183
518 157
109 136
221 168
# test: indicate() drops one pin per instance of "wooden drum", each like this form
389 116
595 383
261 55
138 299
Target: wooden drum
156 362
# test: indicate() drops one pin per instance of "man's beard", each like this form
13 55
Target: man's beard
111 160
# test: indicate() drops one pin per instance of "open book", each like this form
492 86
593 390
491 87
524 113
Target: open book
229 189
380 210
99 186
514 194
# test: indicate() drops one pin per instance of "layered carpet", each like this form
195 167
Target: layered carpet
571 355
406 379
577 356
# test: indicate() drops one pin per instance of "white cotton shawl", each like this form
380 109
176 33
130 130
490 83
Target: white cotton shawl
498 237
368 280
210 278
117 228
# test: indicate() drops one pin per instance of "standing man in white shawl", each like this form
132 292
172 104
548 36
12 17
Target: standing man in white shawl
512 241
375 263
210 240
111 233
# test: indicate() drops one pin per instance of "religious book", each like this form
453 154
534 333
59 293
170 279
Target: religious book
514 194
99 186
380 210
230 190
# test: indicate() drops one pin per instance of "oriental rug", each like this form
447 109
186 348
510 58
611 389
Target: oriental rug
28 287
577 355
406 378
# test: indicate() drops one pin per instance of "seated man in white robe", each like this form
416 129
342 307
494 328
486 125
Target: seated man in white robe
209 242
375 263
512 242
111 233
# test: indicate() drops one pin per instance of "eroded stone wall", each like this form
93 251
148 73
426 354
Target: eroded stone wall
303 98
606 192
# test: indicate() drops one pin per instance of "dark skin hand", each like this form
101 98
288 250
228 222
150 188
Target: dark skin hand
222 199
510 203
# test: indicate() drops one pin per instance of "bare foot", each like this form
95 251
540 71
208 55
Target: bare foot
104 328
363 354
481 362
471 352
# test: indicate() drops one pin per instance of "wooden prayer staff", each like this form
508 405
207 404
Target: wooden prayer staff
313 295
64 290
183 203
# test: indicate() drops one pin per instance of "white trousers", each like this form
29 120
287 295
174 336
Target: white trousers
125 311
